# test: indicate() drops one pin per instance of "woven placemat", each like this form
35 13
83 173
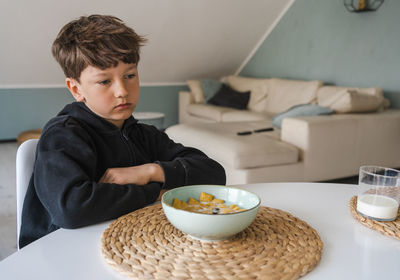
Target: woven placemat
391 228
277 245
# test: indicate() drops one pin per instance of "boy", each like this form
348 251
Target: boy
94 162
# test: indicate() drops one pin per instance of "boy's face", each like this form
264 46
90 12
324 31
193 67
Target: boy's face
112 93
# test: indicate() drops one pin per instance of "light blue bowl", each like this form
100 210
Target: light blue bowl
208 226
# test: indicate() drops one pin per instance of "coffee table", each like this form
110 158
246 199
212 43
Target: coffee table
351 251
152 118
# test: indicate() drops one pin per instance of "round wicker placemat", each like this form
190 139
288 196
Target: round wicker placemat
387 228
277 245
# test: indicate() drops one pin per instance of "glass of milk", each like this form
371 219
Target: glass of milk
379 193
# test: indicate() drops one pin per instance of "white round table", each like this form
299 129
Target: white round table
351 251
151 118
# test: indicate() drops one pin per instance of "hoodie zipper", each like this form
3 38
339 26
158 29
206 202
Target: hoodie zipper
126 141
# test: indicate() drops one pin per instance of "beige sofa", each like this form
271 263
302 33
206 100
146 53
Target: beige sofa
307 148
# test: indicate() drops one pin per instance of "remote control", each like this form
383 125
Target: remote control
264 129
244 133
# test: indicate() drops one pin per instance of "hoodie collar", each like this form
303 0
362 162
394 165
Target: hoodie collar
80 111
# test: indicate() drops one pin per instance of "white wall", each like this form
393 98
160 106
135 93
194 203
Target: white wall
187 39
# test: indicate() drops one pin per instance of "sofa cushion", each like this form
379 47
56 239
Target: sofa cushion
210 87
258 88
243 115
284 94
228 97
301 111
351 100
245 83
221 142
197 90
356 102
224 114
208 111
327 91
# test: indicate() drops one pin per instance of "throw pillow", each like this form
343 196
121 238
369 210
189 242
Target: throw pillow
258 88
352 100
228 97
301 111
197 90
258 99
284 94
210 87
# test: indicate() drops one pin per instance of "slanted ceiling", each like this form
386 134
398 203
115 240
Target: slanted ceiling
187 39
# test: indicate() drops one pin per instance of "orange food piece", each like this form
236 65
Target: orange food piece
234 207
192 201
205 197
176 203
184 205
217 201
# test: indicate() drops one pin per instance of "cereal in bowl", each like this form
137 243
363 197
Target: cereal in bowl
207 204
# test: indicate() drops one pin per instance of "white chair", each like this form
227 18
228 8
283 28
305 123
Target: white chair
25 160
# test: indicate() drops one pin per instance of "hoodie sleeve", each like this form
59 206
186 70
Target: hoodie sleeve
63 174
182 165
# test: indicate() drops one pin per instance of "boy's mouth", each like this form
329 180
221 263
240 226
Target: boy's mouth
123 106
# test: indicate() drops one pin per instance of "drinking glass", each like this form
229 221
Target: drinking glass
379 193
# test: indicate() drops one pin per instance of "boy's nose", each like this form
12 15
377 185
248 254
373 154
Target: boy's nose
120 90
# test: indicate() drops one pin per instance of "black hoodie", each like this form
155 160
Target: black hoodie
77 147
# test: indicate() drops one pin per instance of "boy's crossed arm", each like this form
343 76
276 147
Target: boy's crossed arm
138 175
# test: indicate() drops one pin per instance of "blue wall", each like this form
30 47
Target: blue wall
320 39
25 109
315 39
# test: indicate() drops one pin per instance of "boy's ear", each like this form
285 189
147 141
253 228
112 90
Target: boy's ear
74 88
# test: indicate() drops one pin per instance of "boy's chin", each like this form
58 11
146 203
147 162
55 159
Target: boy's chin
124 116
125 113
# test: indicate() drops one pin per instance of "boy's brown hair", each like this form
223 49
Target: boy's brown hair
97 40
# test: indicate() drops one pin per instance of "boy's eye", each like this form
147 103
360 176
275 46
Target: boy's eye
105 82
130 76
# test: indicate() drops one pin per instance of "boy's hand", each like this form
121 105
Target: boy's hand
161 194
138 175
